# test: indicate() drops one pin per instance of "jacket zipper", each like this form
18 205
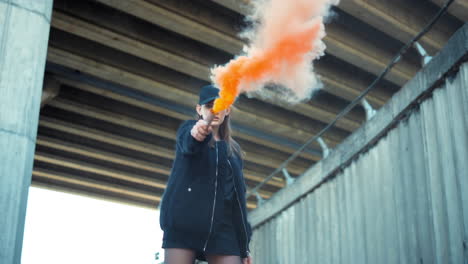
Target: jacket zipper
240 209
214 201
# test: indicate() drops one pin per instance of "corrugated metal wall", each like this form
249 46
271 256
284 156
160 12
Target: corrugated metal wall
405 200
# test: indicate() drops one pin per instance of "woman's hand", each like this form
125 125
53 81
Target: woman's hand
247 260
200 130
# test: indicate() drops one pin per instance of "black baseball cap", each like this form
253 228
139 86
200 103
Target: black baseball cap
207 94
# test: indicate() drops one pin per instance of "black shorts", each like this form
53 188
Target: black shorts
223 241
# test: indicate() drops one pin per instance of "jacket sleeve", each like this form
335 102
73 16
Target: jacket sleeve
241 160
187 144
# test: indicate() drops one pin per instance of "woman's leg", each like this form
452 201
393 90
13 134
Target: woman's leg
223 259
179 256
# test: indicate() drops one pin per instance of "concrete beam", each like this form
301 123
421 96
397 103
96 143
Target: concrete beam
73 183
131 97
365 55
174 22
24 34
402 20
283 126
239 6
135 145
459 8
94 134
107 173
348 87
60 178
76 182
129 45
97 154
176 62
204 13
165 129
116 196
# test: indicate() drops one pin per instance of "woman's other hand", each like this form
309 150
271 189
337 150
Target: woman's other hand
200 130
247 260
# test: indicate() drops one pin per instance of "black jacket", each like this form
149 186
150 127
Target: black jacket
193 199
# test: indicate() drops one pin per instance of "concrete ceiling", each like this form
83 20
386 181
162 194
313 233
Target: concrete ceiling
122 75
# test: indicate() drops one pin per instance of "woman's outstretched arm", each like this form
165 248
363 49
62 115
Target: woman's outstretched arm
192 135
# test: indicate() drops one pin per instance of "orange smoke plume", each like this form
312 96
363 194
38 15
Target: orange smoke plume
282 48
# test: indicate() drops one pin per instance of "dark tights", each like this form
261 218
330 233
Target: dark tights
187 256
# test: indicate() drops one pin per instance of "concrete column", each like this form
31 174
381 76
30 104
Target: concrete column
24 34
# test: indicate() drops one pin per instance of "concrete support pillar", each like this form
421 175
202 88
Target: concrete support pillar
24 34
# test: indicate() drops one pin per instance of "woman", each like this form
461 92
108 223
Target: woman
203 210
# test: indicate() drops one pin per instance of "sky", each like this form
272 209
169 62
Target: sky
66 228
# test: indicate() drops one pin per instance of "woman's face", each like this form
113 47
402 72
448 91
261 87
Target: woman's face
205 111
